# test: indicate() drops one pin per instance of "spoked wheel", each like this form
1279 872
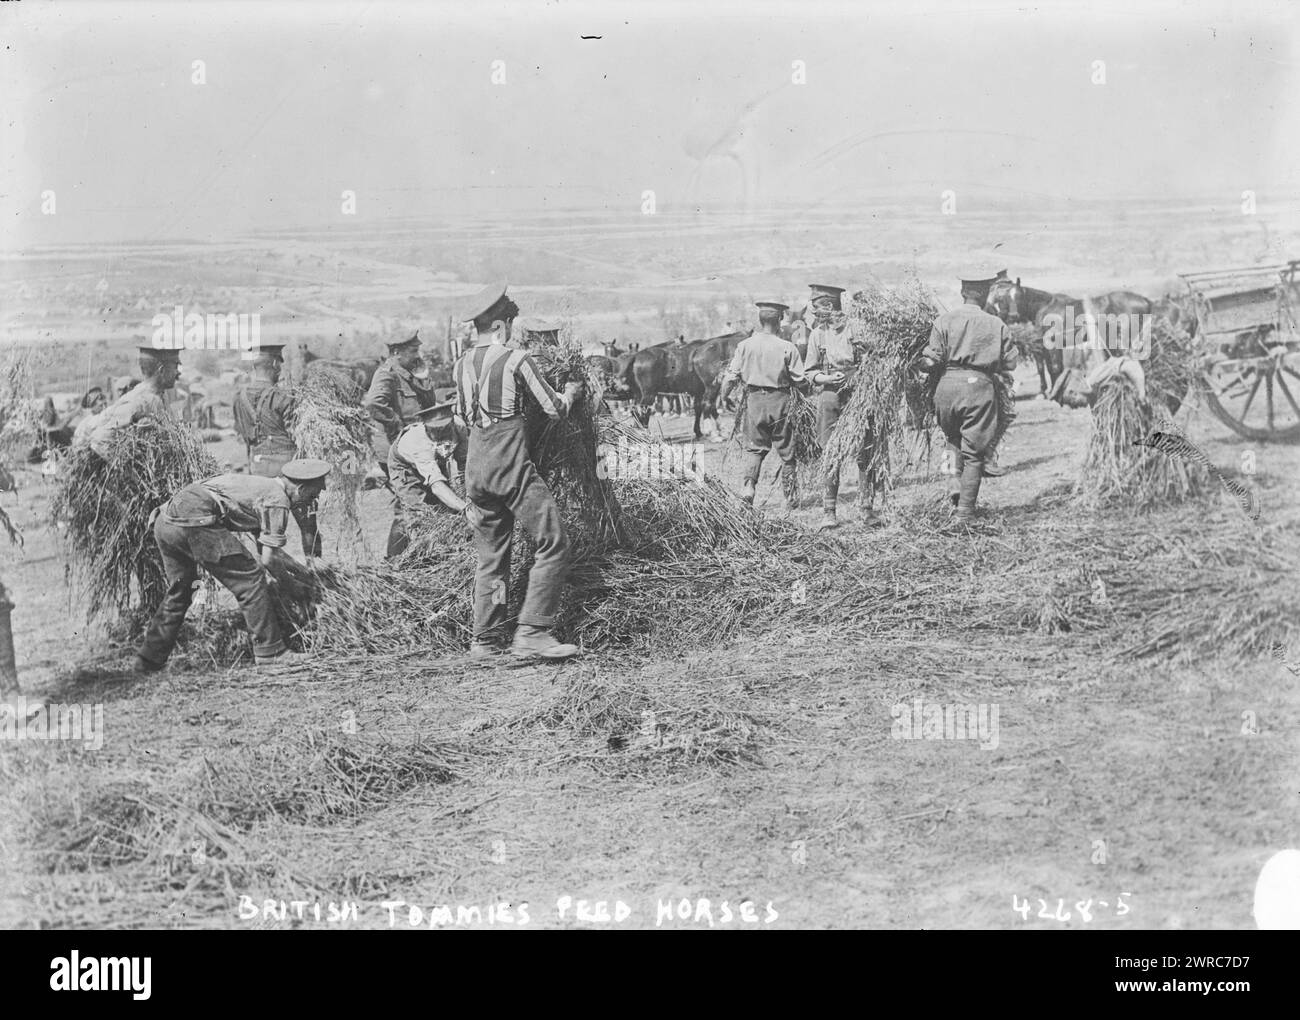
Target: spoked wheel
1257 397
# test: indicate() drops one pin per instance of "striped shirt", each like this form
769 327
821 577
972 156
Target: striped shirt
488 390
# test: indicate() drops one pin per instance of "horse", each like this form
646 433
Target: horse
680 368
709 361
1014 303
662 369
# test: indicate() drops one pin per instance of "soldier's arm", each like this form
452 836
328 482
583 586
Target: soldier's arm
794 369
1010 356
554 404
936 350
381 400
732 370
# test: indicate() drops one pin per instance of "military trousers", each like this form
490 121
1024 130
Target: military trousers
503 483
220 553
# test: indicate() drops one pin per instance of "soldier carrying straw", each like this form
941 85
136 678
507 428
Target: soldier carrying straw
161 367
769 366
831 362
503 485
969 348
195 528
262 412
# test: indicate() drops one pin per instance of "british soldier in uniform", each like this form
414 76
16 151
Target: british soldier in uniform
968 347
161 367
503 485
832 362
422 463
262 412
196 527
769 366
396 393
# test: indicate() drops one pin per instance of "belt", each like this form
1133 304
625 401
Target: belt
767 389
499 421
207 520
954 367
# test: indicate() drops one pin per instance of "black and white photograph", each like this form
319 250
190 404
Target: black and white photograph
647 465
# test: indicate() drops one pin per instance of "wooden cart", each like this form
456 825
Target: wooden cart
1248 339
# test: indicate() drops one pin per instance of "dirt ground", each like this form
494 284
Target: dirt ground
1117 793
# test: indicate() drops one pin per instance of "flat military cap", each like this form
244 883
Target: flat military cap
778 305
824 290
305 469
160 353
440 413
485 301
444 394
272 351
977 278
411 341
535 325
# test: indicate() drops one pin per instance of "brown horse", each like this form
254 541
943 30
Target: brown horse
691 368
1014 303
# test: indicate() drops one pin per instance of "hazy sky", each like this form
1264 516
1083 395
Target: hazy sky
693 101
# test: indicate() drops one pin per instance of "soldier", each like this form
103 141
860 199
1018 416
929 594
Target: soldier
195 528
161 367
503 484
422 462
540 333
968 346
262 411
768 366
94 403
395 394
831 362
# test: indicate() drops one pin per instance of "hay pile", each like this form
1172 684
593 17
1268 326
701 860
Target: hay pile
103 507
693 564
891 327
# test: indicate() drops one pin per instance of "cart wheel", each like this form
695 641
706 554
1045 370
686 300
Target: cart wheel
1258 398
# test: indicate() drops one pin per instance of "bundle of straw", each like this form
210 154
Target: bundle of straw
890 329
20 424
1115 470
564 450
105 506
329 424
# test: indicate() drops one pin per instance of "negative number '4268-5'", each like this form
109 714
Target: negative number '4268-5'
1083 908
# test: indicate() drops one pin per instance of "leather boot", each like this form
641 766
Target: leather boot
789 488
752 472
538 642
971 475
958 463
866 495
830 500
